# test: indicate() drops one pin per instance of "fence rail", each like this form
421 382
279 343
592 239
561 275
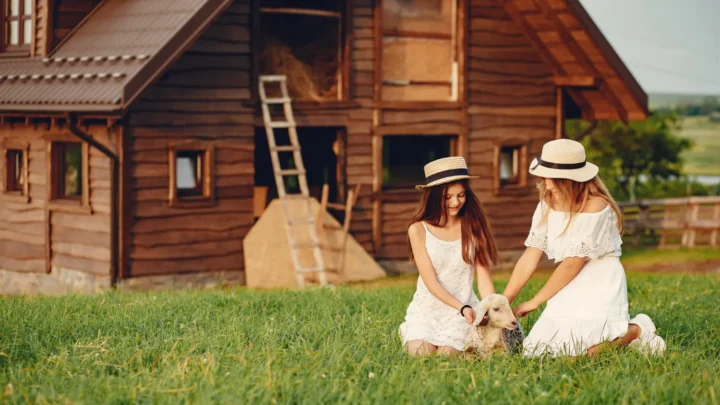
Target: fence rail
686 222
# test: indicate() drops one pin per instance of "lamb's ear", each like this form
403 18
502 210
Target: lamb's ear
480 311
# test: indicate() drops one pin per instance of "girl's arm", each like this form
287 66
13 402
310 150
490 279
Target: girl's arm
563 274
524 268
425 267
484 281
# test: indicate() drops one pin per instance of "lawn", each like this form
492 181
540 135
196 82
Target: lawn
703 158
329 346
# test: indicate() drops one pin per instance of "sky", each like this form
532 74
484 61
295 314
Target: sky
668 46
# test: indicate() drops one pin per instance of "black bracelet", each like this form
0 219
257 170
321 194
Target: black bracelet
464 306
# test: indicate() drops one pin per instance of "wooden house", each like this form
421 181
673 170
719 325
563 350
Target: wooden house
131 137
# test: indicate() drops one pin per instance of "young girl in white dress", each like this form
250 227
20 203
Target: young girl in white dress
450 241
578 224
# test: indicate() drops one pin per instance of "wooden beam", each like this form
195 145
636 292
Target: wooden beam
559 114
582 58
576 81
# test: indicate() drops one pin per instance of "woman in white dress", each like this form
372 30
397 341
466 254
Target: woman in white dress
578 224
450 241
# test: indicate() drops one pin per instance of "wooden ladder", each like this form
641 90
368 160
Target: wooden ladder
309 220
345 228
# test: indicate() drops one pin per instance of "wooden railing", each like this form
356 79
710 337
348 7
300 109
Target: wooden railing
685 222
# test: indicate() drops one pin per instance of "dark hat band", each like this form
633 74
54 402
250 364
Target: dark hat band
561 166
446 173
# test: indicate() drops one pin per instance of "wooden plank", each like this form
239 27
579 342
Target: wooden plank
161 209
21 251
80 237
153 267
98 253
93 223
23 265
187 251
200 222
81 264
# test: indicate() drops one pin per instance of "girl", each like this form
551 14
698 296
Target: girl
449 238
578 224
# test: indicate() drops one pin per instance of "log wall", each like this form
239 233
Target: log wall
35 238
202 98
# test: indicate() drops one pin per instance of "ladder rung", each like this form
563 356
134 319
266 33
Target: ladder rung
305 245
281 124
285 148
291 172
295 197
277 100
311 269
301 221
336 206
272 78
333 226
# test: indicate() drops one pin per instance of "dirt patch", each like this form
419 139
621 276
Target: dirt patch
709 266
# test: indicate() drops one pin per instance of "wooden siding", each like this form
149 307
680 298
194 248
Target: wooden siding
67 15
202 98
511 95
359 150
77 241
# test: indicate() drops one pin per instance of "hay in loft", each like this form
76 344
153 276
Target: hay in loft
306 49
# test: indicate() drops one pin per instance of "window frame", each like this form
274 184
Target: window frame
22 49
207 199
461 38
22 195
344 49
453 140
55 201
513 189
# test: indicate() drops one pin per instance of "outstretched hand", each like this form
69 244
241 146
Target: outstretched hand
469 315
524 309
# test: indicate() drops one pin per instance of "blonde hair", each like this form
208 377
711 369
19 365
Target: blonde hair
574 196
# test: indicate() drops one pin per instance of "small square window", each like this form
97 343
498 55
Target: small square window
509 165
191 176
15 171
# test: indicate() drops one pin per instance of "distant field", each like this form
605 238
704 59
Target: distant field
704 158
664 100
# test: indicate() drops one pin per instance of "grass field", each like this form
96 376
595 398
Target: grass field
704 157
329 346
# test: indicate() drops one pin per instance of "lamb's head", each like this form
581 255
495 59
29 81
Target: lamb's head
497 308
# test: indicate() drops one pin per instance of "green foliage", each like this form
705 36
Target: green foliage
646 150
330 346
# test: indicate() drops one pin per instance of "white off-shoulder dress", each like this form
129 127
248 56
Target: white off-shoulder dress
593 307
427 317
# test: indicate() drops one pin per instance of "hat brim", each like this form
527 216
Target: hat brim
444 181
583 174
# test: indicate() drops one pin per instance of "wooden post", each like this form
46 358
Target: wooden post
689 234
666 218
559 113
641 223
716 217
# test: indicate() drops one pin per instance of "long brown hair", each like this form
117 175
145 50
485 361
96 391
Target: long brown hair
575 195
473 222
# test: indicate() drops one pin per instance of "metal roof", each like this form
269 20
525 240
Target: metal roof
114 54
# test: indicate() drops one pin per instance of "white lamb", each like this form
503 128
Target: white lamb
485 340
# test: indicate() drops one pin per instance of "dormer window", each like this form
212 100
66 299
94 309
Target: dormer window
17 21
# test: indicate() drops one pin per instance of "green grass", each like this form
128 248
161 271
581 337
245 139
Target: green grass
632 258
329 346
703 158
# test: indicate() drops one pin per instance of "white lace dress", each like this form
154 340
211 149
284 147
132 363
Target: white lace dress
427 317
593 307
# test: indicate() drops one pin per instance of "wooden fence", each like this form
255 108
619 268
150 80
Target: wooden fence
672 222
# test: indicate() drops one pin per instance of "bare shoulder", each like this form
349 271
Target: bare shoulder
416 231
595 204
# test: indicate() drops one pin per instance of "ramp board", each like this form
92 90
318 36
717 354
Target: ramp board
268 261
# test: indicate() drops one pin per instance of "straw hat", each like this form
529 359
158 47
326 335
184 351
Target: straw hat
563 159
445 170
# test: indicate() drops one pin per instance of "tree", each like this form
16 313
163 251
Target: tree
626 154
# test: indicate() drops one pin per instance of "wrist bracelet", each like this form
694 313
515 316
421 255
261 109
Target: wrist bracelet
463 308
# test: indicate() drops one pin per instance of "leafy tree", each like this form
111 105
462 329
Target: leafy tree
645 150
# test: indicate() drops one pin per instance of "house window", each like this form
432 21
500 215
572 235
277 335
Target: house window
191 176
303 40
17 24
68 171
420 50
510 166
15 179
405 156
68 174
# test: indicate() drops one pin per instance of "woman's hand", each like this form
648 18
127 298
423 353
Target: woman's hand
525 308
469 315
